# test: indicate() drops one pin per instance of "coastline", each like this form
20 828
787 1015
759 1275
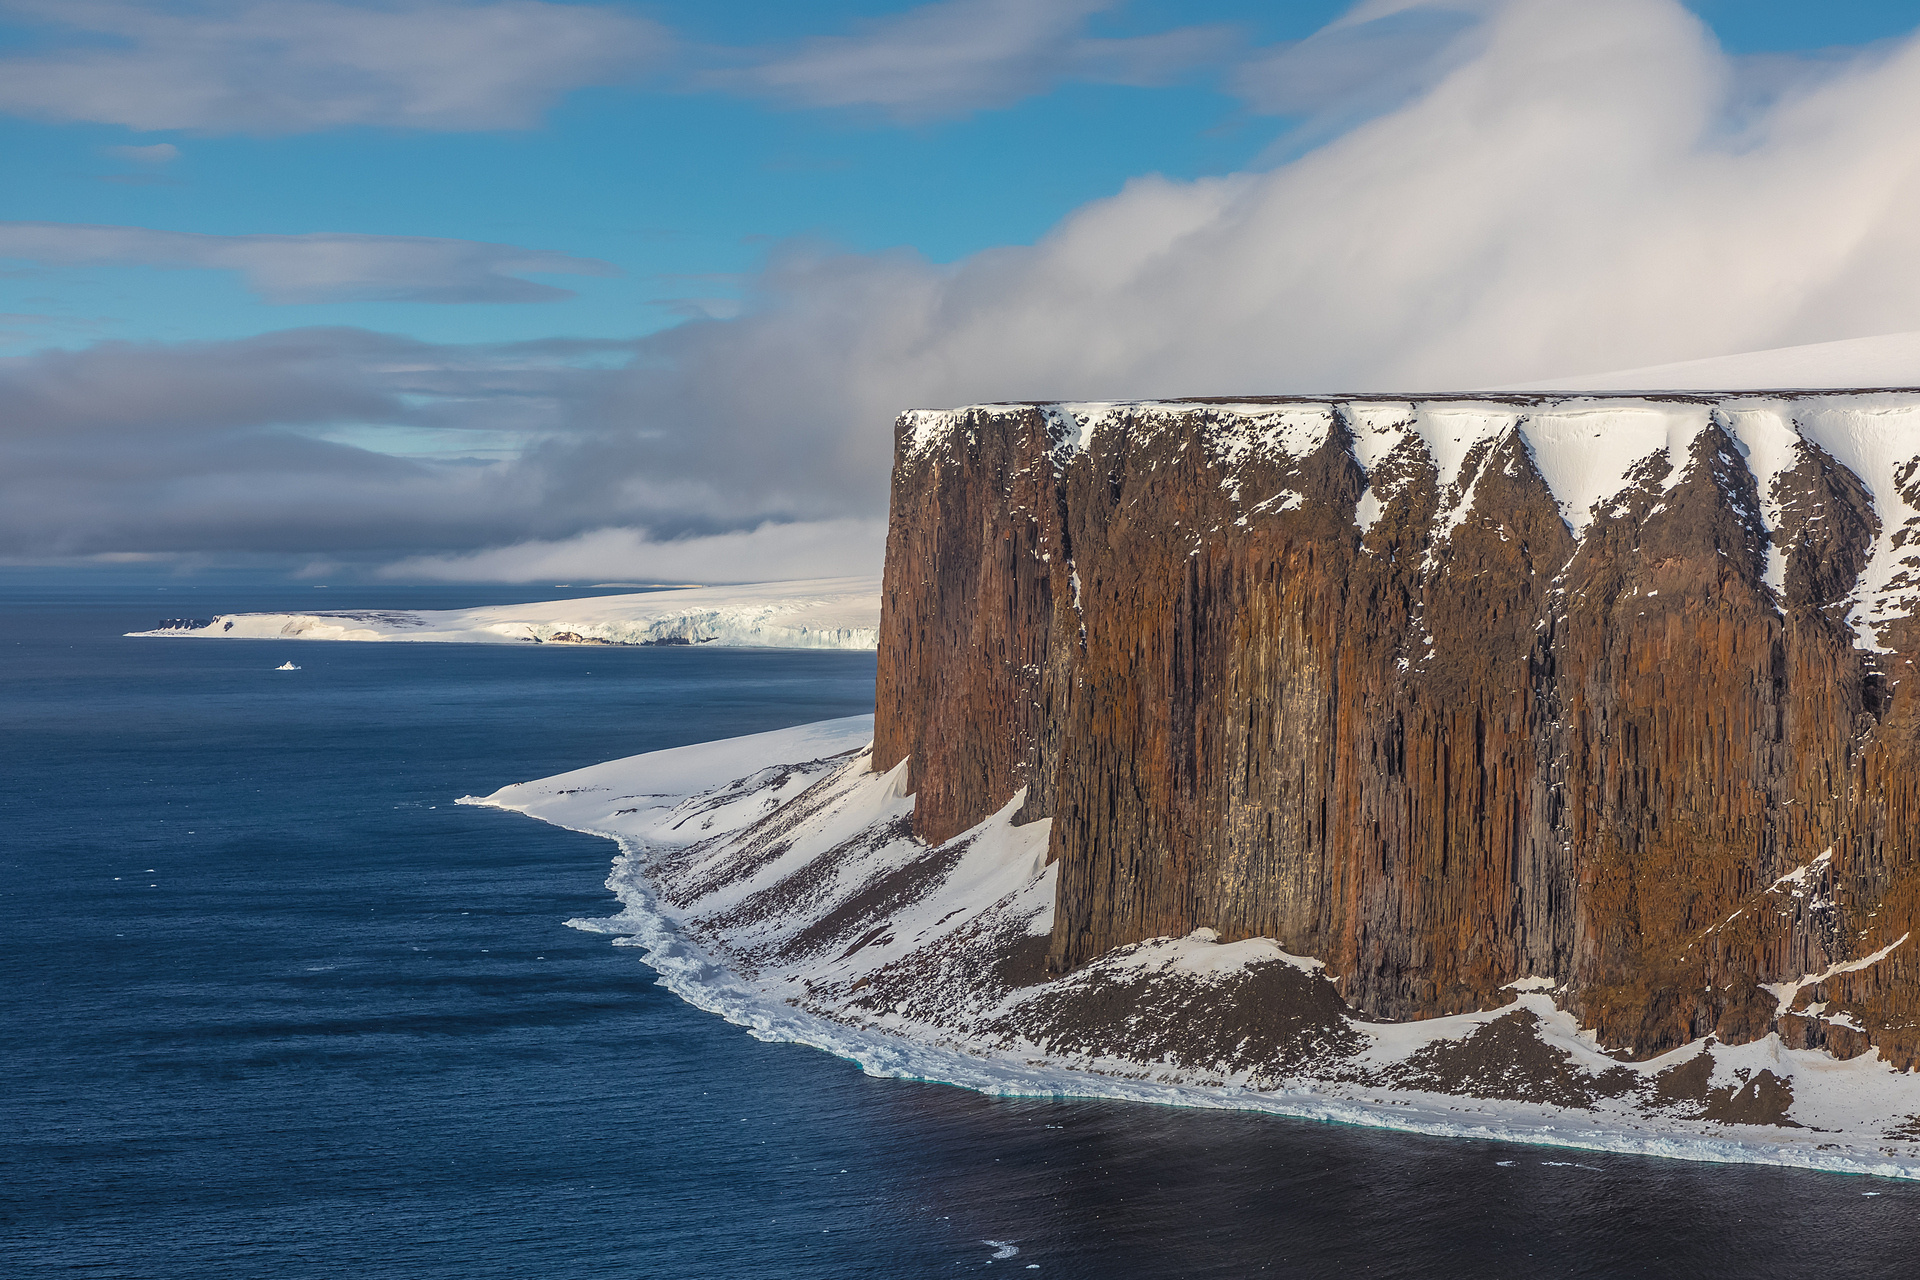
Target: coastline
736 788
822 613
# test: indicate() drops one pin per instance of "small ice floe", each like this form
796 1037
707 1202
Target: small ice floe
1002 1249
286 666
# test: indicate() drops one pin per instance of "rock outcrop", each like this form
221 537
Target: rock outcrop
1447 692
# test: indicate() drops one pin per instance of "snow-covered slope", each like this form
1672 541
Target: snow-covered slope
1885 360
775 880
822 613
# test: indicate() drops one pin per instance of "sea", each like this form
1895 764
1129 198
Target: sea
272 1005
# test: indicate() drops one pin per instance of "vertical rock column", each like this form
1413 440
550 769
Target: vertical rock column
973 568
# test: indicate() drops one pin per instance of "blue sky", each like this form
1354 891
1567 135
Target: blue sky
462 174
681 190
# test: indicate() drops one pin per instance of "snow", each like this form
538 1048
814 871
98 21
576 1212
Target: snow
1584 444
1878 439
1201 954
580 797
1534 983
1586 450
1449 433
1766 438
1246 432
1240 430
823 613
1784 992
1798 879
1874 435
1583 447
1886 360
1377 429
731 852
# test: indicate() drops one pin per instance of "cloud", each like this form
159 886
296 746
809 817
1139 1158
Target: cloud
1564 196
291 66
1374 58
766 553
241 447
33 329
1583 188
158 153
316 267
219 446
960 56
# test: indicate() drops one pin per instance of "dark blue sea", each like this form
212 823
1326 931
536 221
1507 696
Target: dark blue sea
272 1006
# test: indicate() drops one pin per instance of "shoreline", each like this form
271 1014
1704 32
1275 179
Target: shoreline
825 613
693 962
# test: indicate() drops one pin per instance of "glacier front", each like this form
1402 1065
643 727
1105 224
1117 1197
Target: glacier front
820 613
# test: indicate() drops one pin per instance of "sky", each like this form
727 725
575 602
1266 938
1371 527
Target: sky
523 290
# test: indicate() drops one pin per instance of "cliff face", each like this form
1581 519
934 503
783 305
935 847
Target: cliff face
1448 693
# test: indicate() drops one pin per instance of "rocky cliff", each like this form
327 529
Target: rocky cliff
1447 693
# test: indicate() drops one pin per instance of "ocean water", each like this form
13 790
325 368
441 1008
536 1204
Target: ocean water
274 1006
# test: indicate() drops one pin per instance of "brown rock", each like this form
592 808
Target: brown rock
1439 763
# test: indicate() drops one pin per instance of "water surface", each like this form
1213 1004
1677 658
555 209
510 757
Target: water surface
274 1006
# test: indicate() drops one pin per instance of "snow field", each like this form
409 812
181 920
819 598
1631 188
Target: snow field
824 613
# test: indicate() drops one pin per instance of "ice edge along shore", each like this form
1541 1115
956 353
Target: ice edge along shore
692 824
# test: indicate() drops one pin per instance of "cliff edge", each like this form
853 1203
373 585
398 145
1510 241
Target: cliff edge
1449 693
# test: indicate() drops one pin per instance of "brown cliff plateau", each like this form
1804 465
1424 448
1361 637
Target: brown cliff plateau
1446 692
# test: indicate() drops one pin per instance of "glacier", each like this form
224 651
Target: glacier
819 613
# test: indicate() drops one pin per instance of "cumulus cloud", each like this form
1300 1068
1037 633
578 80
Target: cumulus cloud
960 56
1567 196
1583 188
768 552
290 66
316 267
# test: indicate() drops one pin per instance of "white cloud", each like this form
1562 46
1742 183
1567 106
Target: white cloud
315 267
1567 197
289 66
960 56
768 553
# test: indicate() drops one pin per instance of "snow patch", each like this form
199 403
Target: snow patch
1797 879
1878 439
1784 992
1586 451
1766 436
